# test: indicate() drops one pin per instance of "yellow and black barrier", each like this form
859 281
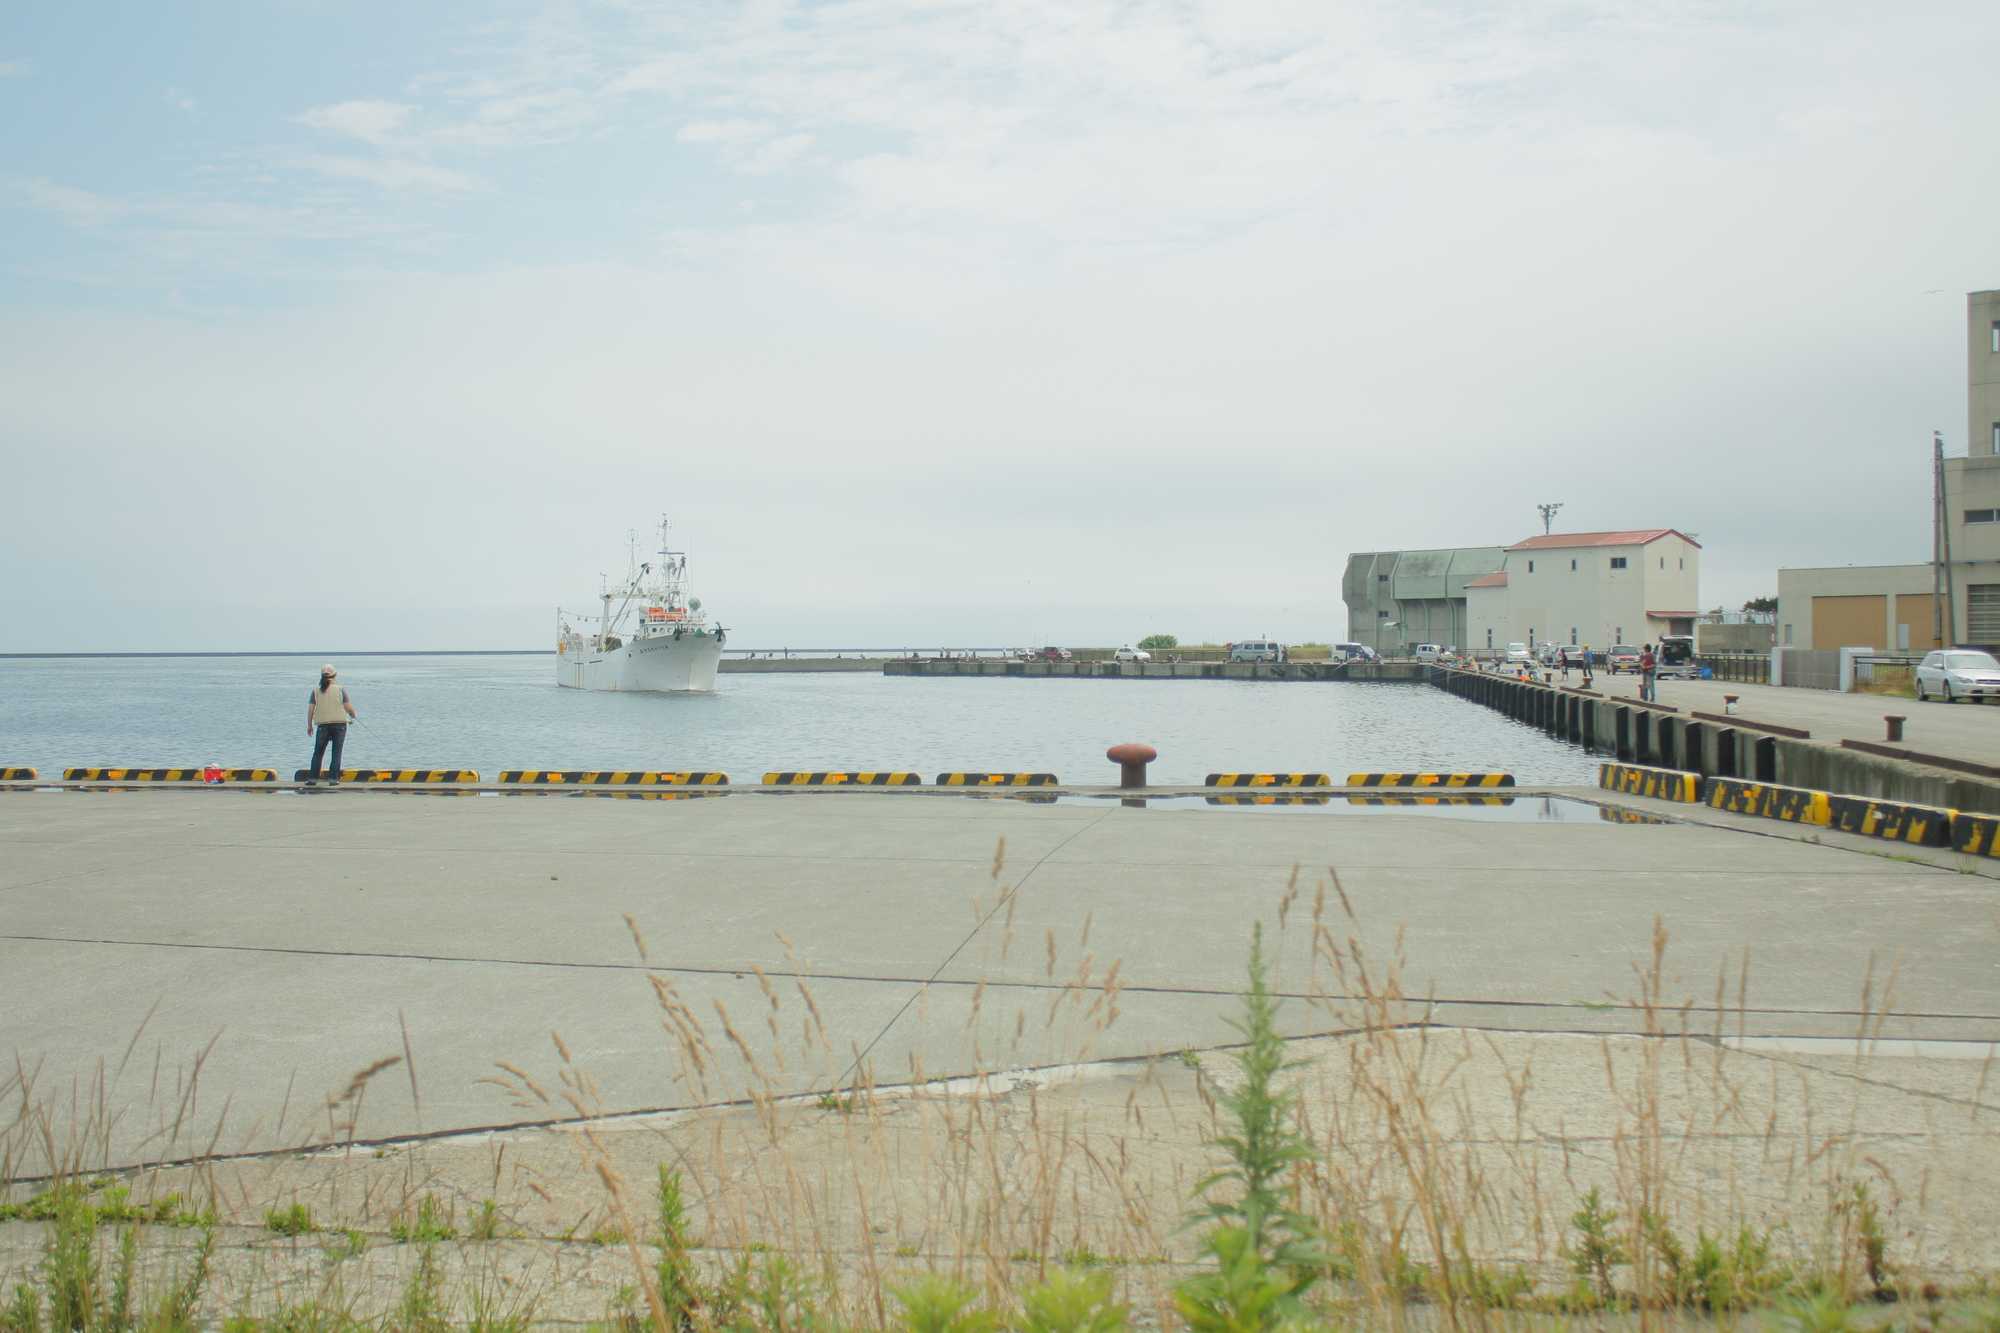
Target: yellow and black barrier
18 775
843 780
161 774
1430 779
539 777
1269 800
1662 783
399 776
998 780
1795 804
1925 825
1430 800
1267 780
1977 834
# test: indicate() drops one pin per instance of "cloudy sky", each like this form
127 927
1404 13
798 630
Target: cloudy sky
346 324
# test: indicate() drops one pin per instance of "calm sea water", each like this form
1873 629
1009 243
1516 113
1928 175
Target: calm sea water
490 713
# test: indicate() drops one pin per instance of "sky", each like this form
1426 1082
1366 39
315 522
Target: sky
346 325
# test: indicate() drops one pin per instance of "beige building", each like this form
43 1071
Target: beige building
1885 607
1599 588
1899 608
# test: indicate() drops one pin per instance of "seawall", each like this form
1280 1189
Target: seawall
1664 737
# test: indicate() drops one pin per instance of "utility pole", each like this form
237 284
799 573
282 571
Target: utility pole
1944 603
1548 517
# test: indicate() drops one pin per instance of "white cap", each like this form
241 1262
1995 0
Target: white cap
328 670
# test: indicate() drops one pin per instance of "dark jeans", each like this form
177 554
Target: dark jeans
334 733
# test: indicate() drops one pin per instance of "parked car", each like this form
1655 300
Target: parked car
1547 653
1958 673
1131 655
1354 652
1257 650
1575 656
1429 652
1676 657
1621 657
1518 652
1050 654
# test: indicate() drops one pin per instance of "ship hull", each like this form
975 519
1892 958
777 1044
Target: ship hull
658 662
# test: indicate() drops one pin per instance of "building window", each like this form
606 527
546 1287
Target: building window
1381 578
1531 566
1982 516
1663 562
1996 335
1489 638
1381 615
1788 636
1572 564
1618 562
1684 563
1996 437
1572 638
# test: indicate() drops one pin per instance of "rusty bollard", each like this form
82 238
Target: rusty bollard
1895 725
1132 761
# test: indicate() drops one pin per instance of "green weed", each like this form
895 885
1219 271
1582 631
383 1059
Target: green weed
431 1223
934 1304
293 1221
1072 1301
1267 1253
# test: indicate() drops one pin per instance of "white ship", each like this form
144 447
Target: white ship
650 635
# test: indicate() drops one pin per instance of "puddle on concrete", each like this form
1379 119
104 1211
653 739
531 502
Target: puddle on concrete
1490 809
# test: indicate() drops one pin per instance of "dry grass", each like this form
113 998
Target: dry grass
1461 1177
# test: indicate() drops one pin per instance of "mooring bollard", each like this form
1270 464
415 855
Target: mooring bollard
1132 761
1729 703
1895 725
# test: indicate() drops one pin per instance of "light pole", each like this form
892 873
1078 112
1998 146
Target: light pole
1548 513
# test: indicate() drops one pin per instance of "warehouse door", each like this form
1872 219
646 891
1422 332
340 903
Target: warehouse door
1849 622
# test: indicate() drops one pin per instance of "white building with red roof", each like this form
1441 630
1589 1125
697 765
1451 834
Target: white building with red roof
1596 588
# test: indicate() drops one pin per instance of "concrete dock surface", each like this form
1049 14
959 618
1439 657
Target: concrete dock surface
1958 731
226 963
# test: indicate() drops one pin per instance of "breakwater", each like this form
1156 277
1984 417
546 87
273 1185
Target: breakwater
1715 746
1375 671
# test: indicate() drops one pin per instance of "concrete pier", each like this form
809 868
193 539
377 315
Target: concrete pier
1374 671
280 944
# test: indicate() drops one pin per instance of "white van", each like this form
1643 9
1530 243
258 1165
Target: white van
1428 652
1257 650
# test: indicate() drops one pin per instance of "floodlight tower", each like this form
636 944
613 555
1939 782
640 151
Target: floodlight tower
1548 517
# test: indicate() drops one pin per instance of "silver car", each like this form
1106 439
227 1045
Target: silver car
1952 674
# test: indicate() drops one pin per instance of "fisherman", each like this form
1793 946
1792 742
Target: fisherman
327 712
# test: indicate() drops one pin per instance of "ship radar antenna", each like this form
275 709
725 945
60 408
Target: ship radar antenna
1548 513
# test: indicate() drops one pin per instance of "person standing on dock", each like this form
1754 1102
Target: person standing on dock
1586 666
1649 667
327 712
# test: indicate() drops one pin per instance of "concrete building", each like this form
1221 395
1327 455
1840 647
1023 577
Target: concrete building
1886 607
1396 598
1599 588
1899 608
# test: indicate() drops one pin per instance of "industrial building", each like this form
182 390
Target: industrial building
1598 588
1954 599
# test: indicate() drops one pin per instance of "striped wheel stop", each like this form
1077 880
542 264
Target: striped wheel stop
1267 780
1430 779
843 780
538 777
393 775
998 780
18 775
1797 805
163 774
1664 784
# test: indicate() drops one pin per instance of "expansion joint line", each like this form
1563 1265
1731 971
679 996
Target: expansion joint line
861 1057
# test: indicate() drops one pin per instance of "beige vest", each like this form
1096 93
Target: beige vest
329 705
